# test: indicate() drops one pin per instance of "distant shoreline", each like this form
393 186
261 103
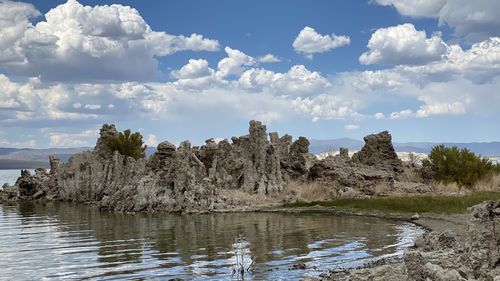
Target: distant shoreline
10 164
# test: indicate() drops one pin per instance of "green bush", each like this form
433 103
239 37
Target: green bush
451 164
128 144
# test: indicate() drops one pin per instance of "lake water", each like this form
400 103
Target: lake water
67 242
10 176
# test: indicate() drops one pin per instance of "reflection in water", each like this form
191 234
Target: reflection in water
65 241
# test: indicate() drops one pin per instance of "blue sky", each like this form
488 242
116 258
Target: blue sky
424 70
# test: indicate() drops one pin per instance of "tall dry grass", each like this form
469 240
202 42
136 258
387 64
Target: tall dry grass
241 198
294 191
490 182
445 188
311 191
411 174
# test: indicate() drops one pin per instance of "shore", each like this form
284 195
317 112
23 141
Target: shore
461 246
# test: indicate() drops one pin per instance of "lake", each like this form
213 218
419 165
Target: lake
10 176
66 241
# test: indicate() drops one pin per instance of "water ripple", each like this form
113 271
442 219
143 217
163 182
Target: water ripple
70 242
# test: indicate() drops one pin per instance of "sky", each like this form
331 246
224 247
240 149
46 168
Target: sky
425 70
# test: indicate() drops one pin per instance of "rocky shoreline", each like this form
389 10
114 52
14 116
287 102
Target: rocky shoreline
460 247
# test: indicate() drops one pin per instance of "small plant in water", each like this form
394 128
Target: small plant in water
241 266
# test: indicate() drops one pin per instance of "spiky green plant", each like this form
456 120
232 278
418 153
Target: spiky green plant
128 144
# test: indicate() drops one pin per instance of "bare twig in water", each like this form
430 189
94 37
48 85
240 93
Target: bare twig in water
239 269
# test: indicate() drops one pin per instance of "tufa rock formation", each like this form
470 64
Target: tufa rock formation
376 165
379 153
187 178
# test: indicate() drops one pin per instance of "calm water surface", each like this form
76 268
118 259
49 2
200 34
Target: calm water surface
68 242
10 176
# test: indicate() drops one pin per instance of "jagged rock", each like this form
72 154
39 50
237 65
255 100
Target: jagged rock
54 163
427 173
483 243
299 160
193 178
411 187
173 179
414 263
435 241
165 149
8 193
345 173
107 132
31 187
344 152
379 152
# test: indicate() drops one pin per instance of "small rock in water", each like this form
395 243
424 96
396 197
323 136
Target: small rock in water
415 217
299 265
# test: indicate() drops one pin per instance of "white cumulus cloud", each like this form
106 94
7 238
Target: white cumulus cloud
195 75
268 58
309 42
473 20
415 8
234 64
84 43
298 81
403 44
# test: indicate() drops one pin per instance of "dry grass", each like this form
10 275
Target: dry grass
440 187
294 191
411 174
382 188
490 182
242 198
311 191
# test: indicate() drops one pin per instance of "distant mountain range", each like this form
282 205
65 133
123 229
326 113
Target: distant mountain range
27 158
481 148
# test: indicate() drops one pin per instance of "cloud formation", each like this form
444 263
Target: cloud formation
234 63
83 43
403 44
309 42
298 81
268 58
415 8
473 20
63 139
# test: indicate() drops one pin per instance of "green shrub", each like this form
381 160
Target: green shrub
128 144
451 164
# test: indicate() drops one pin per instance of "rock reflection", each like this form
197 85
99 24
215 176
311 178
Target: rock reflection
208 246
